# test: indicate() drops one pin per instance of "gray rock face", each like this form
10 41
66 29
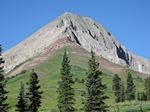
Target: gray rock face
81 30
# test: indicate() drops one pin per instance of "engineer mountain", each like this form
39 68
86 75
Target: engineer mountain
81 31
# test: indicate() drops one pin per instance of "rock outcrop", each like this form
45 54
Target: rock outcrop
80 30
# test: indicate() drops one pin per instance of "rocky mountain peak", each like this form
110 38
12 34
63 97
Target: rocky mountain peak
82 31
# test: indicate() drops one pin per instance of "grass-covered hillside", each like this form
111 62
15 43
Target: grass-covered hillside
49 74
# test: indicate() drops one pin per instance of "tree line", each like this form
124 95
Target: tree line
119 90
130 93
30 100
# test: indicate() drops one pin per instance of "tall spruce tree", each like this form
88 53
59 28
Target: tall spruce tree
117 88
95 89
66 92
147 88
130 90
22 105
3 93
34 93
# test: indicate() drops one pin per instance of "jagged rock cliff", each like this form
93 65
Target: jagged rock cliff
80 30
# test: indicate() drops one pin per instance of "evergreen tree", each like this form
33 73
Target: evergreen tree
66 92
34 93
130 90
3 93
143 96
117 88
22 103
138 96
147 88
122 94
95 89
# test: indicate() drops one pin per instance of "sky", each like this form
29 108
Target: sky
127 20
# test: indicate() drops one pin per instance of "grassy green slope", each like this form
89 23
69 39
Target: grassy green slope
49 73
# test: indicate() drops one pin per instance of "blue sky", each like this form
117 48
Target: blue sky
127 20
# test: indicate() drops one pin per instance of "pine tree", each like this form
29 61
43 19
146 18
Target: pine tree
138 96
147 88
143 96
130 90
66 92
95 89
122 94
117 88
34 93
22 103
3 93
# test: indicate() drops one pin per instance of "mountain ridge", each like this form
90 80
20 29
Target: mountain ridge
83 31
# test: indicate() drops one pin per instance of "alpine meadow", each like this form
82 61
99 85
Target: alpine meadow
73 64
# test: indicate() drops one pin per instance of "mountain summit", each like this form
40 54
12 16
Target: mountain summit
81 31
